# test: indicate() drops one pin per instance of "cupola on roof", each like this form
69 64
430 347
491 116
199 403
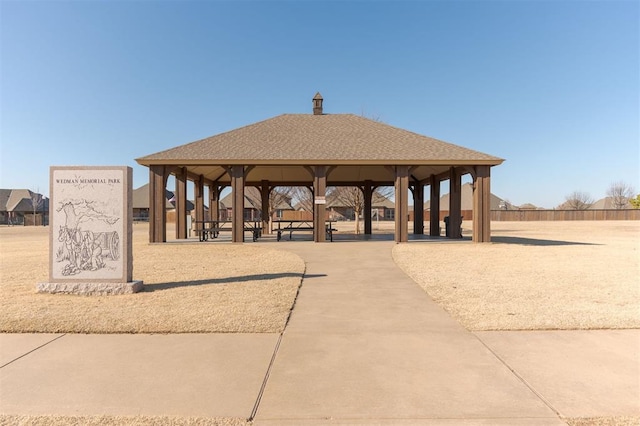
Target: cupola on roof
317 104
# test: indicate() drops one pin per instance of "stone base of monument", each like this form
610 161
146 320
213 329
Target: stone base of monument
91 289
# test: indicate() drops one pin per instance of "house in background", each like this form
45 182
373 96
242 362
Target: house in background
466 203
17 207
382 208
495 202
253 205
607 203
140 202
525 206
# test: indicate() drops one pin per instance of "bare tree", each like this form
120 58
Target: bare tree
353 197
36 202
280 198
303 197
578 200
620 192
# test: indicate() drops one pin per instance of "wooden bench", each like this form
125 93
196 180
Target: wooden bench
206 229
300 225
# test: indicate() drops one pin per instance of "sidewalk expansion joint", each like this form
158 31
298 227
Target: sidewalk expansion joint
275 351
33 350
522 379
266 379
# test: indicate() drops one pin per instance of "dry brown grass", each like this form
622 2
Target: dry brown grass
15 420
535 276
189 287
603 421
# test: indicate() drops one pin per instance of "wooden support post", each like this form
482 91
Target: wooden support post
402 204
265 191
237 192
199 195
213 201
157 201
455 203
214 206
319 203
434 207
368 197
418 208
181 203
482 205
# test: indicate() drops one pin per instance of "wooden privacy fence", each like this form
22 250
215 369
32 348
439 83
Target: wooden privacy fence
553 215
496 215
546 215
296 215
466 215
29 220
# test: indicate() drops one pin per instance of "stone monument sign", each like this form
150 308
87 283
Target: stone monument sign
90 230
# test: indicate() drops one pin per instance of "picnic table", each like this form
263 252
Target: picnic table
301 225
206 229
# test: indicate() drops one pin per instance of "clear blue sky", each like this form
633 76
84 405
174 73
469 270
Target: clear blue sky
551 86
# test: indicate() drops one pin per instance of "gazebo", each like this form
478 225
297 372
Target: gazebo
320 150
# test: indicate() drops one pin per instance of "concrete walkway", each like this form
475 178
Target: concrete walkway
364 345
200 375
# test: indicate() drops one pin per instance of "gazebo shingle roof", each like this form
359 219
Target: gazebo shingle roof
319 139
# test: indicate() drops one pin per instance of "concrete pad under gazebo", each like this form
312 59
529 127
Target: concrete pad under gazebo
320 150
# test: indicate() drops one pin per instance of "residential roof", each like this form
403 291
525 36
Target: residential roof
467 199
252 200
528 206
279 147
20 200
377 200
140 199
606 203
4 198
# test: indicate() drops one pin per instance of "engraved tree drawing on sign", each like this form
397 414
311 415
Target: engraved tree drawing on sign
86 250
